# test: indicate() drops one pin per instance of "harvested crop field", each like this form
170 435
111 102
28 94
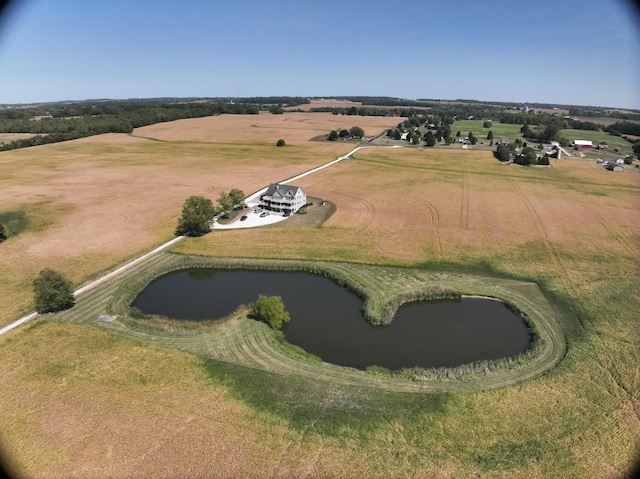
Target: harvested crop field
294 128
412 206
79 402
8 137
94 202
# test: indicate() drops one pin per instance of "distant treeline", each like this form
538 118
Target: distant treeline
368 111
587 111
623 128
62 122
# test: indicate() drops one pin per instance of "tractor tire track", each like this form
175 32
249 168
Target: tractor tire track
464 204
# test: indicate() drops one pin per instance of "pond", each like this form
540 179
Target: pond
326 319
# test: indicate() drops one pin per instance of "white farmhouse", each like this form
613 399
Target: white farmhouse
283 198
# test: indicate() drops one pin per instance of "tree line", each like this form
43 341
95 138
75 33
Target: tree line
79 120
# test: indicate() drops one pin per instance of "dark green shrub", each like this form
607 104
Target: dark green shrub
52 292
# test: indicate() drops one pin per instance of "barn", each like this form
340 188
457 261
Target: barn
582 144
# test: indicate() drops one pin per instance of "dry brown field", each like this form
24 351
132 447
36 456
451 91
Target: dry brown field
327 103
333 103
8 137
76 402
408 206
551 111
97 201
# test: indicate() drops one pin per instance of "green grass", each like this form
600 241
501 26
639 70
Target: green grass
597 137
500 130
512 132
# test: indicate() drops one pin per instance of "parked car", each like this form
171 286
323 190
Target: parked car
258 210
262 215
287 213
243 218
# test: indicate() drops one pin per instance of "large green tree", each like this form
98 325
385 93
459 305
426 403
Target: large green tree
526 157
237 197
270 309
197 212
52 292
356 132
430 138
502 153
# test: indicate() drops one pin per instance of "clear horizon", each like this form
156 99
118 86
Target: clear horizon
568 53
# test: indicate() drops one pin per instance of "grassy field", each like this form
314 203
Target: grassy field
235 402
500 130
513 131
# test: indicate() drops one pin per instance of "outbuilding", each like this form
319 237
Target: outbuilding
612 166
582 144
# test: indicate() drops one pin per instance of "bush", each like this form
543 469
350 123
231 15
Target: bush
281 142
4 232
52 292
270 310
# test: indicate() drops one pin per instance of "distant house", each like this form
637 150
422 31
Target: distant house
503 141
602 146
611 166
582 144
554 153
283 198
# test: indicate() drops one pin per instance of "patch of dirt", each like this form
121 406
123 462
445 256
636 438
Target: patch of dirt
316 214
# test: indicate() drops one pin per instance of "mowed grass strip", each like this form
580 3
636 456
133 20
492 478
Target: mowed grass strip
253 344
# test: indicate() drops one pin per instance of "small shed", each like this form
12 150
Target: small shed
611 166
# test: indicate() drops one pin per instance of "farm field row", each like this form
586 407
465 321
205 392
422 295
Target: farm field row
148 408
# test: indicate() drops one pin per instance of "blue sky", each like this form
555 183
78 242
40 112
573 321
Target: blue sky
584 52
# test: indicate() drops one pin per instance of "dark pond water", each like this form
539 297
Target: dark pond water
326 319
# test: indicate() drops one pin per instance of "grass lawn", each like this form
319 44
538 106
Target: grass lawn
500 130
83 399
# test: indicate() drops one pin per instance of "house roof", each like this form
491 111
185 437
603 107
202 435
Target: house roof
583 142
276 189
